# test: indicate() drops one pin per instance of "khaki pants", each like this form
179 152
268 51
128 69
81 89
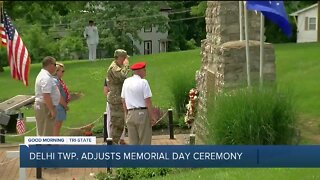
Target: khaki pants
44 123
139 127
116 121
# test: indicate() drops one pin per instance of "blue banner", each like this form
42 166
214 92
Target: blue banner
177 156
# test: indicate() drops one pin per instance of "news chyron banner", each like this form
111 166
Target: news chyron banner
62 140
171 156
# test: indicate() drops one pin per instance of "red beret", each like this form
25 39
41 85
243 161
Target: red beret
138 65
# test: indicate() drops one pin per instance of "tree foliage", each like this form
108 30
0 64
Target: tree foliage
185 32
200 9
117 21
56 27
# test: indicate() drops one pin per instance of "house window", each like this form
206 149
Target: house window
310 23
148 29
148 47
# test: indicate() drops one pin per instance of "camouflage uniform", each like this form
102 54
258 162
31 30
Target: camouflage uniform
116 75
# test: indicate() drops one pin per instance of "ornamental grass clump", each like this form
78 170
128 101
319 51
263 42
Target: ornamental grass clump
252 116
180 86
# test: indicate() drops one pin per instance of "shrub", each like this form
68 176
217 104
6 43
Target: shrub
252 116
134 173
97 130
191 44
103 176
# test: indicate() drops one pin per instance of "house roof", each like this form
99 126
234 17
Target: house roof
304 9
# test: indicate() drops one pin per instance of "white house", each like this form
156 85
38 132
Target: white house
306 20
153 42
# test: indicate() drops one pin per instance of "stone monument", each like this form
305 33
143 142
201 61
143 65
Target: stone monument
223 63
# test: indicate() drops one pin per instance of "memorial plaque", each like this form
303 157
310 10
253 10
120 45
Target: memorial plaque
16 103
211 83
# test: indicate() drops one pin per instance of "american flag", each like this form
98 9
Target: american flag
18 56
3 34
20 125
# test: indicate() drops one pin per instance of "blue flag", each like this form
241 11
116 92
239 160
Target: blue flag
274 11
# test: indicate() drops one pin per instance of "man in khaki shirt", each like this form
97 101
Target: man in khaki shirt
116 74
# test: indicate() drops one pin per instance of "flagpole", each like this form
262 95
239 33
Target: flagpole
1 12
261 47
240 20
1 8
247 46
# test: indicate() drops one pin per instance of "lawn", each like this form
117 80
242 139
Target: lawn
87 78
297 67
246 174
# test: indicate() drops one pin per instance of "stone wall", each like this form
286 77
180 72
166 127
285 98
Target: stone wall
223 61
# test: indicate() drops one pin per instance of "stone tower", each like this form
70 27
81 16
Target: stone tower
223 63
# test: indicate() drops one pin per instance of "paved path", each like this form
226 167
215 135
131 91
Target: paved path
9 168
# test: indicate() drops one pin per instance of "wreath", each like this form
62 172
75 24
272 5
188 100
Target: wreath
191 107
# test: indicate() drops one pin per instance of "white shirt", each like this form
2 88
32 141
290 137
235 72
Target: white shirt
93 35
45 84
135 90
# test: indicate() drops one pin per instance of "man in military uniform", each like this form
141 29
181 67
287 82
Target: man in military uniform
92 36
116 74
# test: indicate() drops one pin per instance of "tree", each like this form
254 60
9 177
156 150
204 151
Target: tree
56 27
118 21
200 9
184 31
33 20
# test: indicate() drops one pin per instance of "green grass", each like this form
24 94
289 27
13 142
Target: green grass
88 78
297 65
246 174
